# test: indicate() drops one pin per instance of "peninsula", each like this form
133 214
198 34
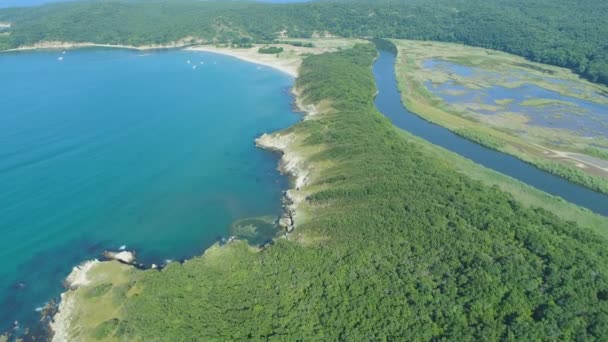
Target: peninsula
228 282
383 235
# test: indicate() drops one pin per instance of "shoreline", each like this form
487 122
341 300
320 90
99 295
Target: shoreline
285 66
60 324
289 67
291 163
58 45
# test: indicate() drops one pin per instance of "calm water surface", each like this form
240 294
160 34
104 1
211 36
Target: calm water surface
389 103
111 147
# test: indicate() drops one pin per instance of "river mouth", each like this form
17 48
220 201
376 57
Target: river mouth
388 101
109 148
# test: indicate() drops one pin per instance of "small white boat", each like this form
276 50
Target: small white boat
188 61
194 67
60 59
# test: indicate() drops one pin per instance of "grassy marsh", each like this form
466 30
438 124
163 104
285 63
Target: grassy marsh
449 84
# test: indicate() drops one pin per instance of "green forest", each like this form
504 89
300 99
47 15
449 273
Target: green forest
570 34
401 246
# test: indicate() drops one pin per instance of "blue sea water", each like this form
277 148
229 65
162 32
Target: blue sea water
113 147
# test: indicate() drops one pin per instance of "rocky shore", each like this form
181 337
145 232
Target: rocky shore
91 273
82 276
60 325
292 163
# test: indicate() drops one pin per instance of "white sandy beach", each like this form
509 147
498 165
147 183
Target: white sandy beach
287 65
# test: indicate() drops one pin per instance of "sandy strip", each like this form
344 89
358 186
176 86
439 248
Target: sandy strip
288 66
285 65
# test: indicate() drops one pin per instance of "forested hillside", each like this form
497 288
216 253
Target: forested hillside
400 245
565 33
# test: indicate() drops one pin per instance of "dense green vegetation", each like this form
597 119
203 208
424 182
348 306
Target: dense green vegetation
574 174
400 245
559 32
296 43
596 152
480 138
270 50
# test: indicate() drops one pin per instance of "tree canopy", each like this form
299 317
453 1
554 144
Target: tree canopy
559 32
400 246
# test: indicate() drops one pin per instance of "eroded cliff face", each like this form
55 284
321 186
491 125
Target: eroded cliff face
292 163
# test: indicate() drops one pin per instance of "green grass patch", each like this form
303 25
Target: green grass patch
98 290
105 329
597 152
538 102
270 50
480 138
503 102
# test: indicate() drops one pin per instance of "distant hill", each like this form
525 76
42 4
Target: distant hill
563 33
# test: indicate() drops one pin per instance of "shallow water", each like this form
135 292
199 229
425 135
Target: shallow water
585 118
388 102
113 147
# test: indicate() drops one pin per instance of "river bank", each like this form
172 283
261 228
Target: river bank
389 101
478 93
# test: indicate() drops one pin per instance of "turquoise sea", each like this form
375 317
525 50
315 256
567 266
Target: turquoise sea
104 148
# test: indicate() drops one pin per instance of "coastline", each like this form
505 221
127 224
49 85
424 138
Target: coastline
292 163
250 55
57 45
60 324
285 65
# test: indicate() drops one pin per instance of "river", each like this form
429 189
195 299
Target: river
388 101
